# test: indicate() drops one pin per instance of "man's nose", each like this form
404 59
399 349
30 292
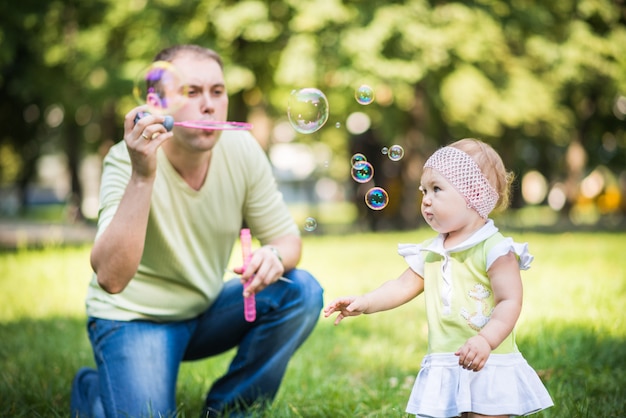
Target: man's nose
207 103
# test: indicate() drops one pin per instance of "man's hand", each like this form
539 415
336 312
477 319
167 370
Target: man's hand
142 139
263 269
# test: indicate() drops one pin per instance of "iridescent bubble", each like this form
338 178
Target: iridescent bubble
307 110
162 87
362 172
310 224
376 198
357 158
338 125
364 95
395 153
384 150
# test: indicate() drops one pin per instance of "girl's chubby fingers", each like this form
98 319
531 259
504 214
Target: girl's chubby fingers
339 304
330 310
338 319
345 307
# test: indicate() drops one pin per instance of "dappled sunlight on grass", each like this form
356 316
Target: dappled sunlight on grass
572 330
578 363
44 282
353 264
577 278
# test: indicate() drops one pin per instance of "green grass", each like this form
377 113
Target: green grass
572 330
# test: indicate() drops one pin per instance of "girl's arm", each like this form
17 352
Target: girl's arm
506 283
388 296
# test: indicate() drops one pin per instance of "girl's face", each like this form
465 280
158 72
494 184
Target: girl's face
444 208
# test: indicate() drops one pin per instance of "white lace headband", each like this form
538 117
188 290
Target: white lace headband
464 174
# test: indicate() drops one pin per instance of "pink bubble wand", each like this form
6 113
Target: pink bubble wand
249 302
207 125
213 125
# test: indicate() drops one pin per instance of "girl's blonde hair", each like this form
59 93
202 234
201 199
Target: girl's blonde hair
492 167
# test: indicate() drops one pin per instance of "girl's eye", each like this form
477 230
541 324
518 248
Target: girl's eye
422 189
436 188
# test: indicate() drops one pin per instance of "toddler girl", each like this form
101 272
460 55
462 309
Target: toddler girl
470 276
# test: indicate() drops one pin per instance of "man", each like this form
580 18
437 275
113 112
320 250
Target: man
171 207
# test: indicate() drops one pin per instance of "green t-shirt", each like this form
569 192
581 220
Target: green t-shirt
190 233
457 291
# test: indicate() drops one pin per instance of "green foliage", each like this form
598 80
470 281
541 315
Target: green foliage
527 76
572 330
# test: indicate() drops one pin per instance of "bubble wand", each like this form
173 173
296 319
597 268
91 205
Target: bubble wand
207 125
162 86
249 302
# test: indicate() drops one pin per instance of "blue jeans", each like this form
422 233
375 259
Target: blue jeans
138 361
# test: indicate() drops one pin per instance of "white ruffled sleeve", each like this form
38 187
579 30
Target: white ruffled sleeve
413 256
507 245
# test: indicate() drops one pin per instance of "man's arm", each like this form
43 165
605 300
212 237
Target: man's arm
288 249
117 252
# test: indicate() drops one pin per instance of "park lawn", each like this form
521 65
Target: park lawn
572 330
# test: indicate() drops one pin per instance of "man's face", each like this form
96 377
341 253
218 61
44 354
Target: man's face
207 97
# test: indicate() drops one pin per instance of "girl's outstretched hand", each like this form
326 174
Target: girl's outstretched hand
346 306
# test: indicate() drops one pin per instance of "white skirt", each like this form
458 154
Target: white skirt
507 385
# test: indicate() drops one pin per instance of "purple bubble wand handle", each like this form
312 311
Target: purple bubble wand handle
249 302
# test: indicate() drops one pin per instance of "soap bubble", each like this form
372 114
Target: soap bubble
307 110
364 95
384 151
395 153
376 198
362 172
161 87
310 224
357 158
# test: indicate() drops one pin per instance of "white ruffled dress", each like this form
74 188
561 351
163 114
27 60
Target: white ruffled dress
507 385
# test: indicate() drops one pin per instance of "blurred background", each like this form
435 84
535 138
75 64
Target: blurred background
543 82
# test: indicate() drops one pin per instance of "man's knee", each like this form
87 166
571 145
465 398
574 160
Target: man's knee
310 290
